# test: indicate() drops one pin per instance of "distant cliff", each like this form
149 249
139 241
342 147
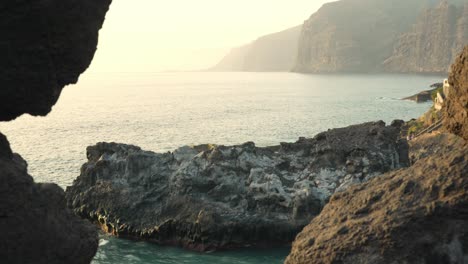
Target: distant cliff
369 36
382 36
433 42
275 52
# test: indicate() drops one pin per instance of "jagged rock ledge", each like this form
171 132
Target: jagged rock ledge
216 197
414 215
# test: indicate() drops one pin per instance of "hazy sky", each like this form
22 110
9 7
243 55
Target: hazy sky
157 35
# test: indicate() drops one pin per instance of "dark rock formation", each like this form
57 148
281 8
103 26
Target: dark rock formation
360 35
441 32
421 97
275 52
35 225
45 45
456 110
414 215
216 197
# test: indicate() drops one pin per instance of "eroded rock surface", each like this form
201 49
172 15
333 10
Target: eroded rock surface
35 224
215 197
416 215
456 111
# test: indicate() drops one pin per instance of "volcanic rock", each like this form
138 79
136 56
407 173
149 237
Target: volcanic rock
45 45
217 197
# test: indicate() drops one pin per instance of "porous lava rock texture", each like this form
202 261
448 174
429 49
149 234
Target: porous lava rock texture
212 197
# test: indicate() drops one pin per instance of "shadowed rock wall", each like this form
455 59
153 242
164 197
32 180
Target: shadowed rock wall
44 45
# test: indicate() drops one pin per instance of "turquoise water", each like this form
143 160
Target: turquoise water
163 111
114 250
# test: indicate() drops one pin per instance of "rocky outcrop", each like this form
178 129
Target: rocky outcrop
275 52
440 32
35 224
45 45
417 215
216 197
456 110
414 215
422 97
360 35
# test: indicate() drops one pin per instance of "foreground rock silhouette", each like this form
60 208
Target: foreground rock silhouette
45 45
414 215
215 197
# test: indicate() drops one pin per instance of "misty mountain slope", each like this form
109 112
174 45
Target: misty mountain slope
360 35
366 36
274 52
440 32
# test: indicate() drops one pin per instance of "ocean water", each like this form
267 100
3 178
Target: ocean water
163 111
113 250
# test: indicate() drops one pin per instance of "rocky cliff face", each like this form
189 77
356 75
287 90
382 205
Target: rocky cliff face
275 52
216 197
417 215
441 32
360 35
456 111
414 215
45 45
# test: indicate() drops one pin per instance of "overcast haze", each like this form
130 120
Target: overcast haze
154 35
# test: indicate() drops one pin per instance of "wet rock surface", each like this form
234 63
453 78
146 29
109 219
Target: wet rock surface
216 197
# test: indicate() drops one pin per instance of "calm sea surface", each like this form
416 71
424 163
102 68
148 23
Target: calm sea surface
163 111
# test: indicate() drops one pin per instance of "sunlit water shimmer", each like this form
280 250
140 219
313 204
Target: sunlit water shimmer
163 111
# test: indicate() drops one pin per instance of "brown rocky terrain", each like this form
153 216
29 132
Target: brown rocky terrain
45 45
431 144
414 215
456 112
